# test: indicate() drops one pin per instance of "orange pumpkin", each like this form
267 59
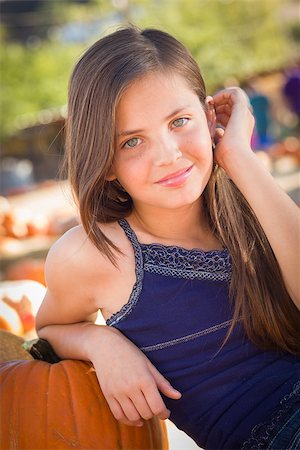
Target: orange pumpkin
27 269
22 298
60 406
10 319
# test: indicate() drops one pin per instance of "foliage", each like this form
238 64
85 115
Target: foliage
33 80
229 39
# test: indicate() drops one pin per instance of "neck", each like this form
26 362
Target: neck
186 226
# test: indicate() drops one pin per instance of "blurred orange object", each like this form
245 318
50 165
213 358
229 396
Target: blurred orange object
10 320
19 303
38 225
24 310
15 223
27 269
9 245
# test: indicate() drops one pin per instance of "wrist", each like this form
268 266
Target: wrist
97 337
235 162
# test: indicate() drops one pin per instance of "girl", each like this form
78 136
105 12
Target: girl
187 246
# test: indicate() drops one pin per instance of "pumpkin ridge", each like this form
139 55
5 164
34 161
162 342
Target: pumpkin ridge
106 415
13 415
46 431
37 372
96 393
68 381
150 433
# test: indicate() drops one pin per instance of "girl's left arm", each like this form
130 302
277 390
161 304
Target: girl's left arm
278 215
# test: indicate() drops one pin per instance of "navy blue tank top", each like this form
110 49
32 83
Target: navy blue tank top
178 314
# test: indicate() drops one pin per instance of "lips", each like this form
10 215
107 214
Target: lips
176 178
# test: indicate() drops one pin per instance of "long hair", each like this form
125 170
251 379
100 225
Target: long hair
270 318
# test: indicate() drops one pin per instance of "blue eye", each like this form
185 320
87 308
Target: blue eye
131 143
177 123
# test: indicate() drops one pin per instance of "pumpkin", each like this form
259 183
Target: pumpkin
24 311
15 223
10 319
27 269
21 298
38 225
8 245
60 406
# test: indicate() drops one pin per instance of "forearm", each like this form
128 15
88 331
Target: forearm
278 215
77 341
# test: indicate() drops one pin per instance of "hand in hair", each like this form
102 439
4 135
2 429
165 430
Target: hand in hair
277 214
234 114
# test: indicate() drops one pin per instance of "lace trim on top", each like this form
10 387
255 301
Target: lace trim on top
192 264
139 272
214 265
261 433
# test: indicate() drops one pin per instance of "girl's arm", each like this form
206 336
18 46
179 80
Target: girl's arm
278 215
129 381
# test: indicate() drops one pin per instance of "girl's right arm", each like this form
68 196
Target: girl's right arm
129 381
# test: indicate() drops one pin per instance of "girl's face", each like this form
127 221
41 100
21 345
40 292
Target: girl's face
163 154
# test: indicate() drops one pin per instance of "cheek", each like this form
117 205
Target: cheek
199 145
130 167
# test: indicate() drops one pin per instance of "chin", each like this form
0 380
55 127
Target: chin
182 199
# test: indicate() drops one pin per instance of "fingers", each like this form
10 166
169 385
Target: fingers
143 401
149 404
231 96
218 135
163 385
155 402
131 410
120 415
233 109
131 413
230 99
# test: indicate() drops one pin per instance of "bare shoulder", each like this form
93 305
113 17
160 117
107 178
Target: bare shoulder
78 276
75 251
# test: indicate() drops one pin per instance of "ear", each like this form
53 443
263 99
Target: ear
210 115
111 176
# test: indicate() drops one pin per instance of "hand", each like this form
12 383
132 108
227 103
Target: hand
129 381
233 113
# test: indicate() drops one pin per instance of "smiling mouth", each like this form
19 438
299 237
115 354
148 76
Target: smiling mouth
176 179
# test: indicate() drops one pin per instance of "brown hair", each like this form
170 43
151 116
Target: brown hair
270 318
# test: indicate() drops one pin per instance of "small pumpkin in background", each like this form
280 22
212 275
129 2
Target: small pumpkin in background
19 303
15 222
27 269
24 310
21 222
61 406
10 319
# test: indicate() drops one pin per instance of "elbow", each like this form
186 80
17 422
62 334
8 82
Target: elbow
45 333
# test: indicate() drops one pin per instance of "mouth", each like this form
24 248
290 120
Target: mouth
176 178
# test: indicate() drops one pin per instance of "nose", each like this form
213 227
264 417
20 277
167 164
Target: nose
166 151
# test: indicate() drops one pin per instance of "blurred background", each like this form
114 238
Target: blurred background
251 43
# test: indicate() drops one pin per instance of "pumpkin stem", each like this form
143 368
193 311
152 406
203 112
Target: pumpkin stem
42 350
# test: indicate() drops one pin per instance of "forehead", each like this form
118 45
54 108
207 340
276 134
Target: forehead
157 93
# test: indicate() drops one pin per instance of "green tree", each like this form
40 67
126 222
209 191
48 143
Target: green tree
228 38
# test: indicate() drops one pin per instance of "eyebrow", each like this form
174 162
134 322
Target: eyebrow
130 132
